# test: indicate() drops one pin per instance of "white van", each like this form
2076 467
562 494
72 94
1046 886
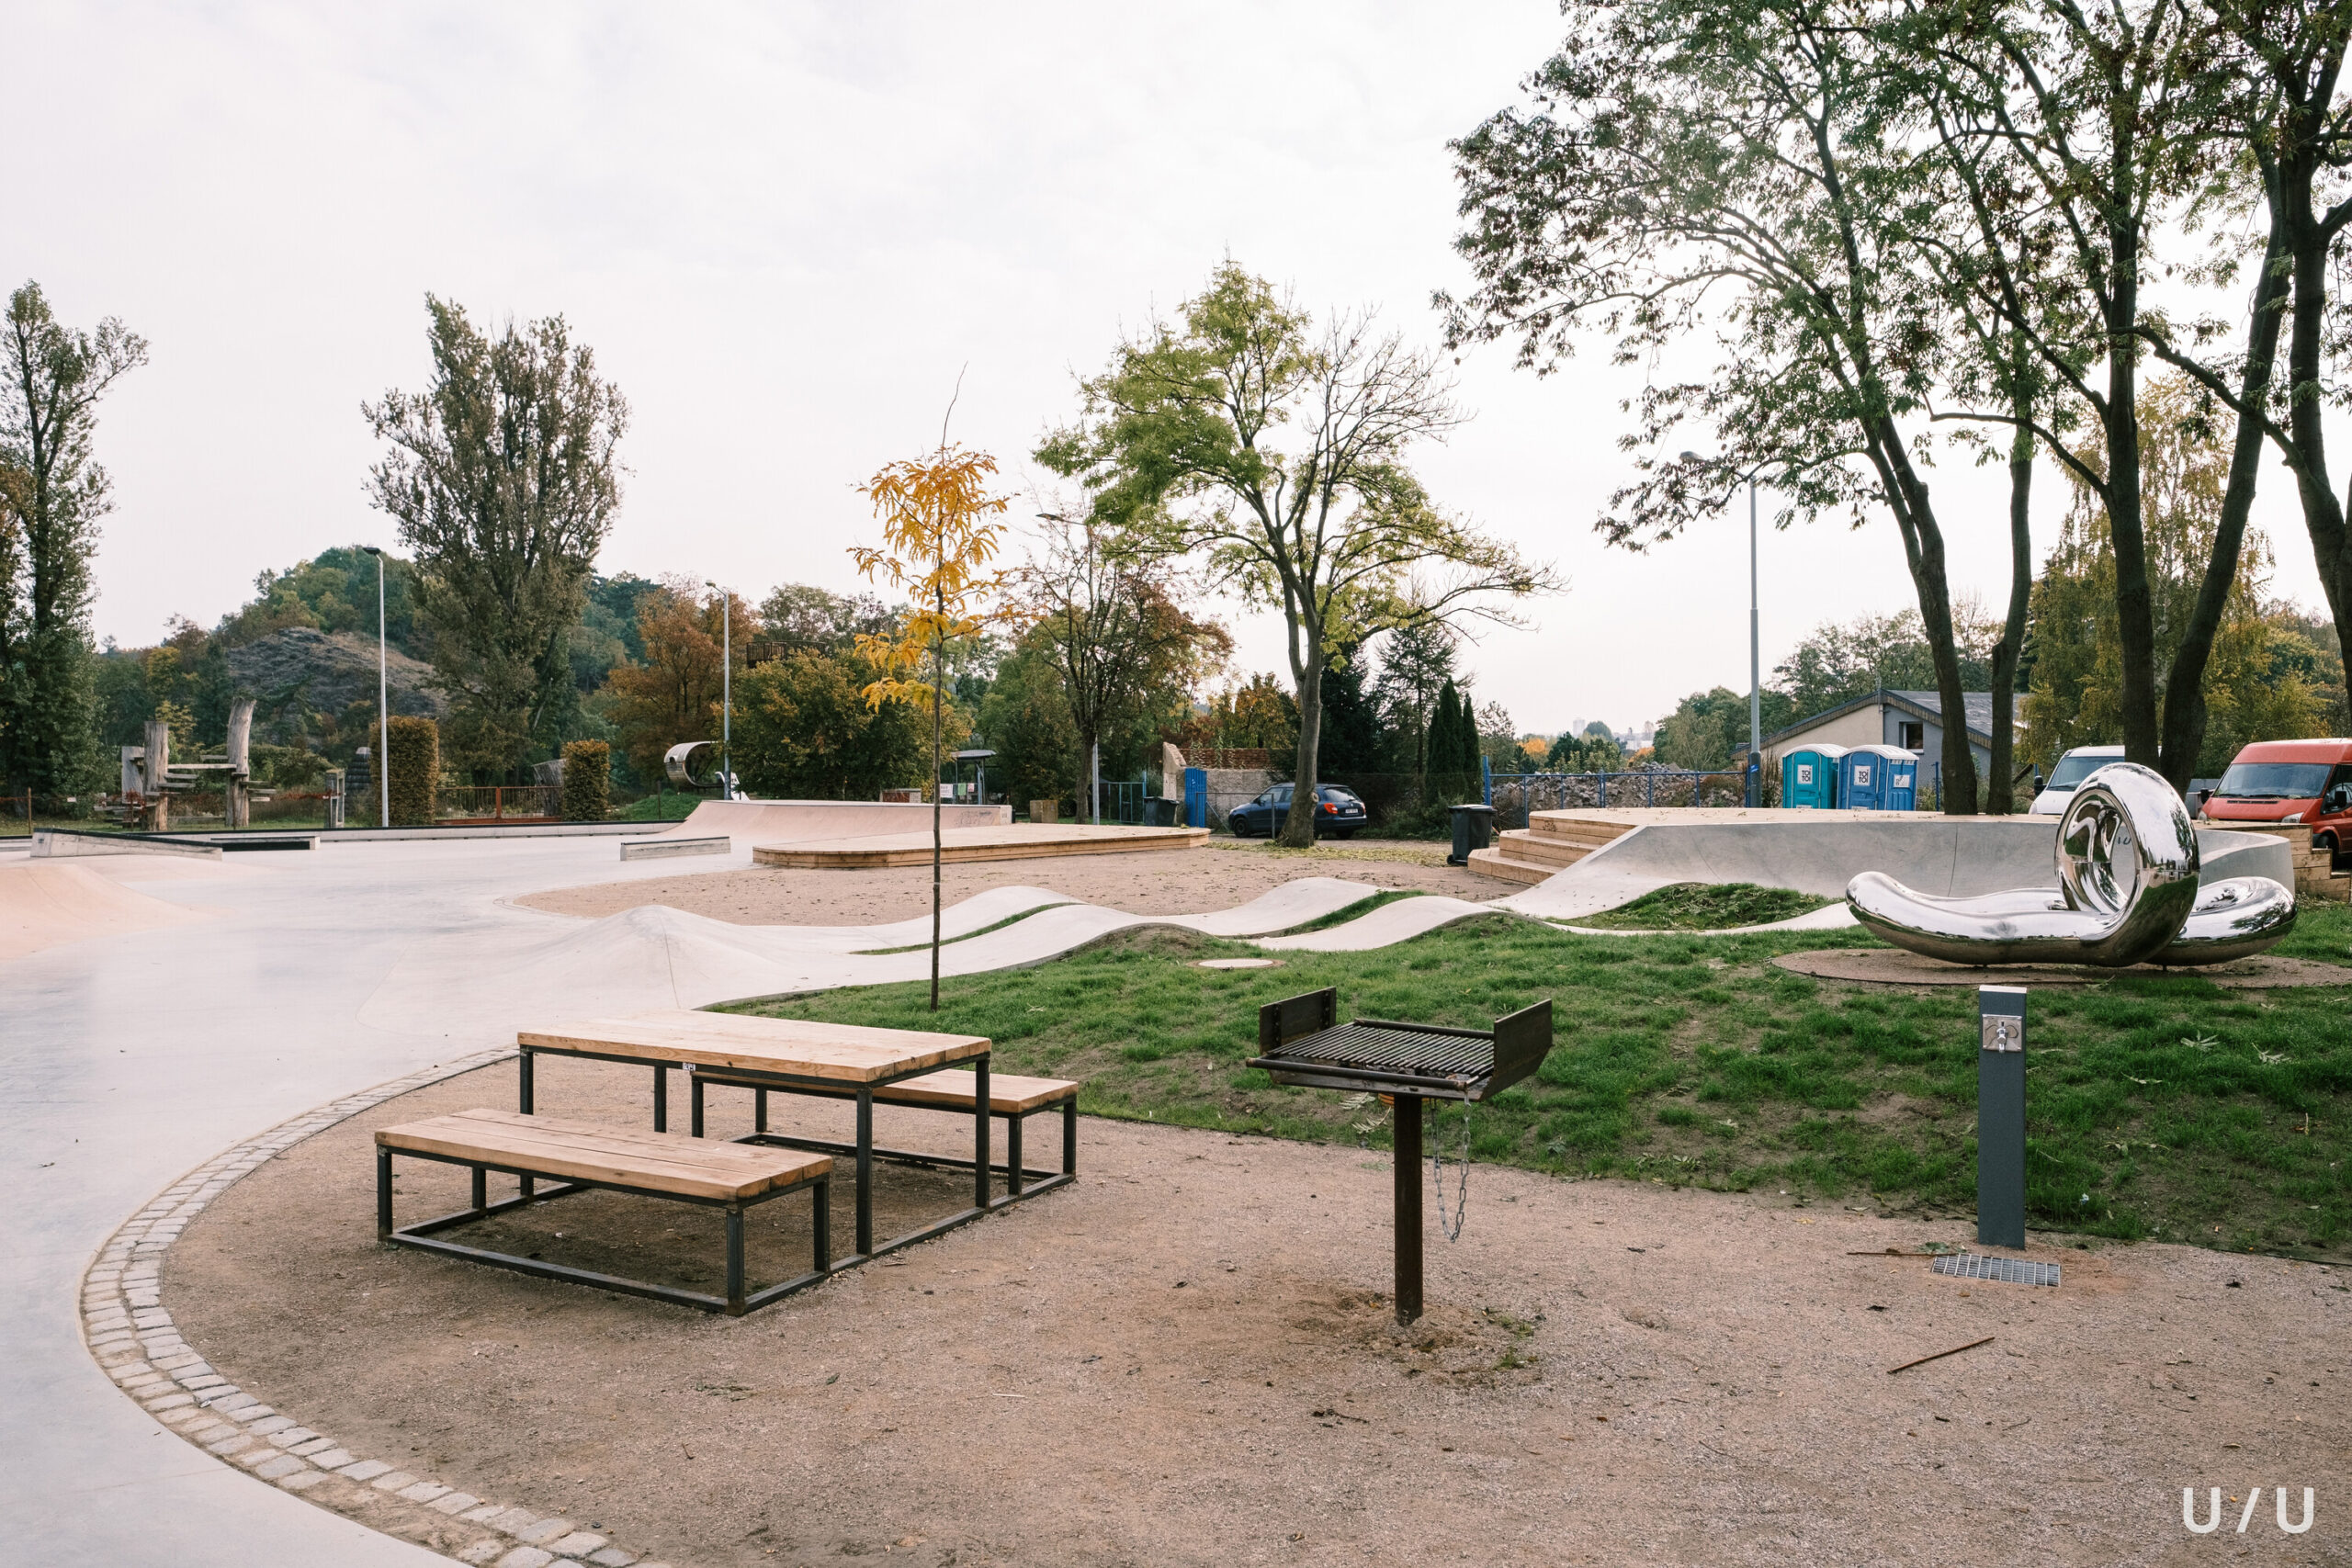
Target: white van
2072 768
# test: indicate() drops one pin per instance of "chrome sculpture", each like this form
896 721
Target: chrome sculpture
2127 893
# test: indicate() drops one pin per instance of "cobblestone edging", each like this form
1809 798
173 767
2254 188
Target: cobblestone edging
126 1329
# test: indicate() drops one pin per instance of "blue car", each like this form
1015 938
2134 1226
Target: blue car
1338 813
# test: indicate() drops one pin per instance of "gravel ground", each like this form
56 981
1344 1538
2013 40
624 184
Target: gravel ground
1166 881
1187 1358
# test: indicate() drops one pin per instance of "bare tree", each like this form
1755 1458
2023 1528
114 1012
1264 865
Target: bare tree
1118 627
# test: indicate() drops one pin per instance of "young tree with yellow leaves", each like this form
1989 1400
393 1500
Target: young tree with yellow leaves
938 540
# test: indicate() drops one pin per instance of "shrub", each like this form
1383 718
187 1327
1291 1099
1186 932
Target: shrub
416 768
587 781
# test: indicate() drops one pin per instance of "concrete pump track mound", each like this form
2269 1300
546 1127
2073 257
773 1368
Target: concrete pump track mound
1084 1379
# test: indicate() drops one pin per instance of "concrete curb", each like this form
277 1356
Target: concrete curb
130 1333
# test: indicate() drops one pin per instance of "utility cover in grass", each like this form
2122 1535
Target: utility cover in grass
1707 907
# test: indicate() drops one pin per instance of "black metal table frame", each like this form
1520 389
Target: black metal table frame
863 1150
1022 1181
734 1303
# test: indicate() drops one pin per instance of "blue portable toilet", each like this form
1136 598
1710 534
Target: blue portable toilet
1196 797
1809 777
1879 778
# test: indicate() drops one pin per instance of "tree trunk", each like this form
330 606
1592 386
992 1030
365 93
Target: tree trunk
2184 716
1299 828
2134 605
1923 552
938 669
2309 243
2000 790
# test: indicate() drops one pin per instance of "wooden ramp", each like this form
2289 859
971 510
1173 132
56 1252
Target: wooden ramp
1013 842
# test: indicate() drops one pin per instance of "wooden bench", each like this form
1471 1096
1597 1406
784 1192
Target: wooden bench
729 1177
1012 1099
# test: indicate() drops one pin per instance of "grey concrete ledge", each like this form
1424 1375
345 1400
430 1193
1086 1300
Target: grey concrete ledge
130 1333
519 830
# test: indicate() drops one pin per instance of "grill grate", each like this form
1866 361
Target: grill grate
2008 1270
1377 1047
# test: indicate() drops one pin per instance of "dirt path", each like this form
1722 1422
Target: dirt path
1185 1360
1167 883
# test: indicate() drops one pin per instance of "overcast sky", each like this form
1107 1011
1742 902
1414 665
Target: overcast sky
784 229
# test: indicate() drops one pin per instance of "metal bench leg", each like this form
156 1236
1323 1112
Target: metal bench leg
482 1188
383 1196
980 1137
660 1100
1013 1155
527 1097
824 1223
759 1111
866 1172
693 1102
1069 1136
735 1259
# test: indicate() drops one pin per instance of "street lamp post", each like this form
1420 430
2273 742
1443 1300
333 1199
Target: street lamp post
1753 772
726 689
383 702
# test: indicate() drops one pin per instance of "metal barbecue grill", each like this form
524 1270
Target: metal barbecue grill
1301 1043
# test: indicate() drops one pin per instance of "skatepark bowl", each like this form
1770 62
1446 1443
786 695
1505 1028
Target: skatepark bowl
175 1022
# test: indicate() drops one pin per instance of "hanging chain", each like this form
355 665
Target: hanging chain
1452 1231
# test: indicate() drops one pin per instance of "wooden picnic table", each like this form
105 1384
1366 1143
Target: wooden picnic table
842 1060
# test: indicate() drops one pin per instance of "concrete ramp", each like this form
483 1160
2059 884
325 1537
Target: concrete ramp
794 822
43 903
1947 856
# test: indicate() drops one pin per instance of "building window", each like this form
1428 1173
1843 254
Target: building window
1910 735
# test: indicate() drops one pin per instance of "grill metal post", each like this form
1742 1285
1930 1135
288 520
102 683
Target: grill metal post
1408 1208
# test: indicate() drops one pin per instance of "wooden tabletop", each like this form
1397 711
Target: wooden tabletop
843 1053
662 1162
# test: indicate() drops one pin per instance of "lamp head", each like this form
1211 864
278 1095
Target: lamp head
371 550
1690 457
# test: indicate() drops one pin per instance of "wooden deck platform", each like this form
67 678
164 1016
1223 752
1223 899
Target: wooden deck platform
1014 841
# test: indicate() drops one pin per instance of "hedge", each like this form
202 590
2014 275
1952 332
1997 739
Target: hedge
587 781
416 768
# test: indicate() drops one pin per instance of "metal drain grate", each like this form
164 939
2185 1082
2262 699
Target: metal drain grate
2008 1270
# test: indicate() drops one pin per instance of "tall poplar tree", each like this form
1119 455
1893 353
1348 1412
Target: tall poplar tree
52 493
503 478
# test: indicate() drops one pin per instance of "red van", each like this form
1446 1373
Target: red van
2290 781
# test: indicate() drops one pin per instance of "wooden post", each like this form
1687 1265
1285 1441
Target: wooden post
157 763
239 803
1408 1208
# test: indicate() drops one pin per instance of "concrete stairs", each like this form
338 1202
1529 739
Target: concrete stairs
1549 844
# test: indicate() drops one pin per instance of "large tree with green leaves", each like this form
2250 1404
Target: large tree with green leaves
52 493
503 478
1695 174
1274 453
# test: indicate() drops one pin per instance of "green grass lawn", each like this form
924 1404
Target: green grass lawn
2162 1106
668 806
1705 907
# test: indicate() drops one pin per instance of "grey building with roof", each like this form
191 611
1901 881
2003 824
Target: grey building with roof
1913 720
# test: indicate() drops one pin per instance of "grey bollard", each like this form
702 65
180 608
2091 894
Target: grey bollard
2000 1116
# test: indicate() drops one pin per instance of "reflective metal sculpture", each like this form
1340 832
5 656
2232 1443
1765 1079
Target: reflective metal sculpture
2127 893
693 763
